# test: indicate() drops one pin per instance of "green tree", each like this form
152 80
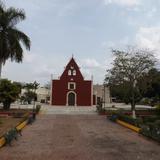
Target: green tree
128 67
30 94
9 92
149 85
11 37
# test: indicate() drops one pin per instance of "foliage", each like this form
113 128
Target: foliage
150 126
149 86
128 119
158 109
9 92
128 67
148 89
47 85
11 135
30 94
123 93
11 37
151 130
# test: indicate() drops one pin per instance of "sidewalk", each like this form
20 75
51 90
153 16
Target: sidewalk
79 137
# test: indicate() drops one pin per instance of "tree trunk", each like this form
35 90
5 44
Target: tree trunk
133 101
6 105
0 70
133 109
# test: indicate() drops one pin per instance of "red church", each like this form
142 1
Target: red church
71 89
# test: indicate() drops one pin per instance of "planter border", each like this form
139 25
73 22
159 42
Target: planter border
2 141
127 125
19 127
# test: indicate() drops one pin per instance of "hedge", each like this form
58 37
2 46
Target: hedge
151 130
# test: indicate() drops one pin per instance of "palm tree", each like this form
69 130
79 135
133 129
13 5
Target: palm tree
11 38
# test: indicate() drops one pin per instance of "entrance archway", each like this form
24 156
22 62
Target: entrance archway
71 99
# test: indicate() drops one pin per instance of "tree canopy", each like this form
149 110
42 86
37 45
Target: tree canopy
9 92
128 67
11 38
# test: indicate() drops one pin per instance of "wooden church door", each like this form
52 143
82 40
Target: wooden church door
71 99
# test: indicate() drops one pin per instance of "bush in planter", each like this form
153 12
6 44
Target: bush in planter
10 135
129 119
151 130
113 117
150 119
145 130
158 109
157 122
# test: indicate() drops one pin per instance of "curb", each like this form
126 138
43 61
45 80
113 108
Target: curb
21 125
18 127
2 141
127 125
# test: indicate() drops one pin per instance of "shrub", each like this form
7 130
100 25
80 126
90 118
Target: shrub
136 122
157 122
150 119
158 109
113 117
151 130
10 135
128 119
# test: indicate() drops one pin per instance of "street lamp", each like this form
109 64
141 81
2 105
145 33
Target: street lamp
104 92
35 86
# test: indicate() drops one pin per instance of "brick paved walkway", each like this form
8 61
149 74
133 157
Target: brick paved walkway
79 137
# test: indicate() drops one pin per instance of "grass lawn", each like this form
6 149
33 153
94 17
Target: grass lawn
8 120
6 123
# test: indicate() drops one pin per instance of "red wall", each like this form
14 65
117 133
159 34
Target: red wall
60 87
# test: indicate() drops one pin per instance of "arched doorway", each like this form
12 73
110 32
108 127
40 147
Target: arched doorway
71 99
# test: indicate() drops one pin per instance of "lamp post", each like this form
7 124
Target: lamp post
104 92
35 86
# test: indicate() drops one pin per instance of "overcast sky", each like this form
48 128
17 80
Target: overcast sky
88 29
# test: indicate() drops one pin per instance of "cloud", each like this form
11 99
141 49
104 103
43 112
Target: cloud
152 12
149 37
127 3
91 67
29 58
90 63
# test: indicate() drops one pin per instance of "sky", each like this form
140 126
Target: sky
86 29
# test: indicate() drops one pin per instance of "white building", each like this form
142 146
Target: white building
101 94
43 95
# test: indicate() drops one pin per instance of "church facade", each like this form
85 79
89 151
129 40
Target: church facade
71 89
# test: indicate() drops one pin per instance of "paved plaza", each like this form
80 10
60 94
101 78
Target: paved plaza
58 135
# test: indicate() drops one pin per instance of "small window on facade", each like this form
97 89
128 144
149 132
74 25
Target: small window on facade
74 72
69 72
71 85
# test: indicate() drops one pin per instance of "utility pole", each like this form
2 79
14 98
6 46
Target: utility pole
51 89
104 89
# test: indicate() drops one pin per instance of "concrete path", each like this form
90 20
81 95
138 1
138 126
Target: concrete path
79 137
68 110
